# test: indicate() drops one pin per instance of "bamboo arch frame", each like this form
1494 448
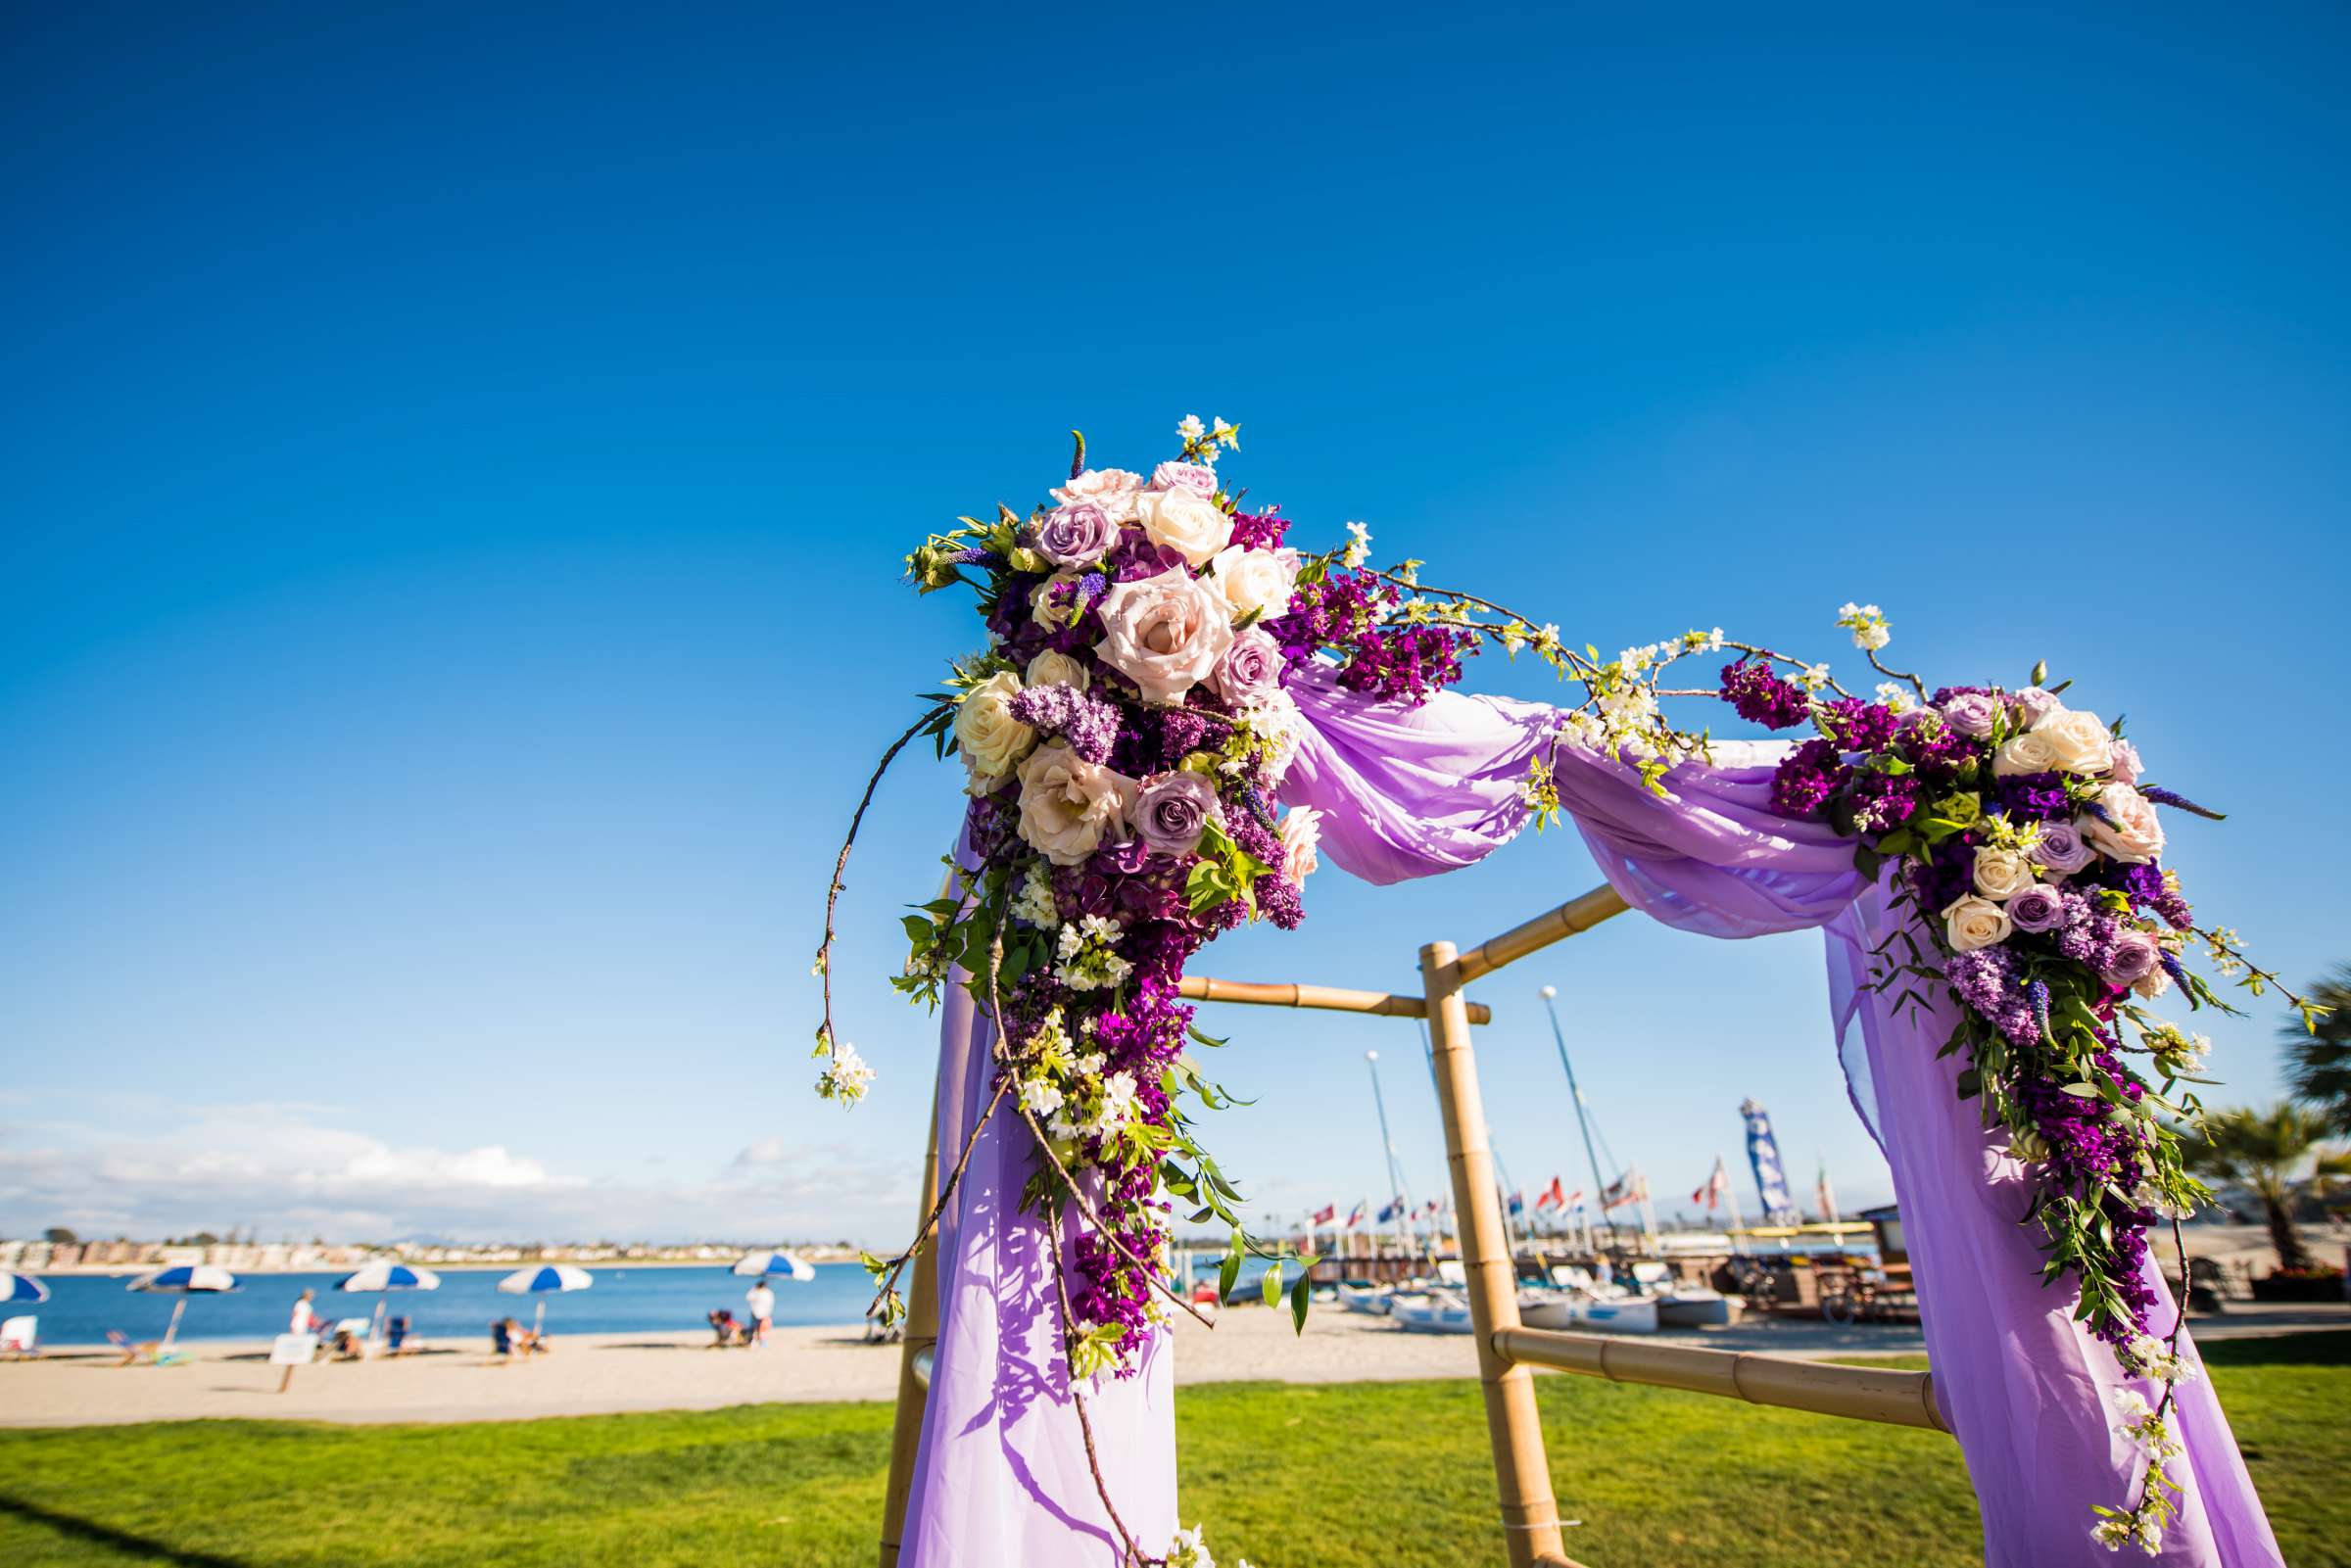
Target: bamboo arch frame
1506 1350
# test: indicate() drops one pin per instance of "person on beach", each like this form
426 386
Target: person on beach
305 1319
763 1300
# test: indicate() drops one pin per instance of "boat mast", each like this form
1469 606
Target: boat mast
1583 1123
1396 1196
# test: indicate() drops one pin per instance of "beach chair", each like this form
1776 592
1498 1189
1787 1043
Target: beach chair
152 1353
18 1336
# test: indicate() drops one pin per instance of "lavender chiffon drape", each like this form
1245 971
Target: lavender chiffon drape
1002 1476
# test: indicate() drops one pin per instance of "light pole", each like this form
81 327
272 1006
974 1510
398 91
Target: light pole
1387 1144
1583 1121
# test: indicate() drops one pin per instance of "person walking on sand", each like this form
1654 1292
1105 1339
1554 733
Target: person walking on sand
763 1310
305 1319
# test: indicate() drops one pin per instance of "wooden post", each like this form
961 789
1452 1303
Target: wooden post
922 1333
1530 1516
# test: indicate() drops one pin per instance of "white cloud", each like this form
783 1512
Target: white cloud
293 1170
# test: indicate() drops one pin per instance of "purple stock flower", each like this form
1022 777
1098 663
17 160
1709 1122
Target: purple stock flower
2033 796
1882 801
1763 698
1859 725
1259 531
1089 723
1805 779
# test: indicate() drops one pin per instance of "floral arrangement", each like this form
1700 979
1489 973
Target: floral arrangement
1124 735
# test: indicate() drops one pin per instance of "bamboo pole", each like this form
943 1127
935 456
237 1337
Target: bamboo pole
1860 1393
1530 1516
1329 998
1578 913
914 1380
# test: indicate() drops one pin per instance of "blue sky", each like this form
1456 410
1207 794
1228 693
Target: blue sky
458 466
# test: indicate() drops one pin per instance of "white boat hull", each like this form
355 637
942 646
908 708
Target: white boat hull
1431 1315
1371 1303
1632 1314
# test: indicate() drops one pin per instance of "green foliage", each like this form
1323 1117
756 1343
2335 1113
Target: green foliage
2319 1054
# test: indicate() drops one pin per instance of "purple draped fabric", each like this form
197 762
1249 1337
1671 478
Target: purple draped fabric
1003 1477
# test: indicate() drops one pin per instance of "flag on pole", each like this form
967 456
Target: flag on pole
1825 1194
1356 1215
1630 1188
1553 1196
1431 1208
1763 1153
1710 1192
1517 1203
1392 1211
1323 1216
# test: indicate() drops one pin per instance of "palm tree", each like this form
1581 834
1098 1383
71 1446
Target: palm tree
2319 1061
2268 1151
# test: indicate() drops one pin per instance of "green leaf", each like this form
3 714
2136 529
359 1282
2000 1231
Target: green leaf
1270 1286
1229 1273
1299 1301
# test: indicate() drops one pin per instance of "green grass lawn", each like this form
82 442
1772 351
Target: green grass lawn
1388 1475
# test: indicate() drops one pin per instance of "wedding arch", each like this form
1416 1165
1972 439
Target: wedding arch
1163 671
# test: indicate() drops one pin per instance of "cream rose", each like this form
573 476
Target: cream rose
2078 741
1070 805
2125 826
990 738
1112 489
1166 634
1253 580
1185 521
2033 751
2002 874
1971 923
1058 669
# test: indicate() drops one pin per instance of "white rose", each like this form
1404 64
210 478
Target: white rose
1254 580
990 738
1070 805
2002 874
1971 923
1058 669
2033 751
1111 489
1185 521
2125 825
2077 741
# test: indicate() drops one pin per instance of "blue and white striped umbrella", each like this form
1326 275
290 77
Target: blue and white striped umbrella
22 1288
389 1276
546 1277
784 1266
185 1279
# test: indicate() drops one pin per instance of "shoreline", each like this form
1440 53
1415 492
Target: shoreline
604 1374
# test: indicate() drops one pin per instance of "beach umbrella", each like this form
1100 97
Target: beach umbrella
782 1266
540 1280
184 1280
22 1288
387 1277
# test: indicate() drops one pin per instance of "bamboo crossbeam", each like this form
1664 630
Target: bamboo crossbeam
1579 914
1860 1393
1328 998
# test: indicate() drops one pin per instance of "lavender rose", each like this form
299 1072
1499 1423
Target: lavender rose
1076 535
1251 669
1971 713
1166 634
1195 477
2059 848
2135 956
2037 703
1173 810
2037 908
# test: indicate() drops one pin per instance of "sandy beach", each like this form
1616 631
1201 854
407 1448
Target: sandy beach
596 1374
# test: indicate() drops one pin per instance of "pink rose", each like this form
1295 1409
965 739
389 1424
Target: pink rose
1166 634
1251 668
1301 843
1111 489
1069 805
2127 766
2124 825
1184 476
